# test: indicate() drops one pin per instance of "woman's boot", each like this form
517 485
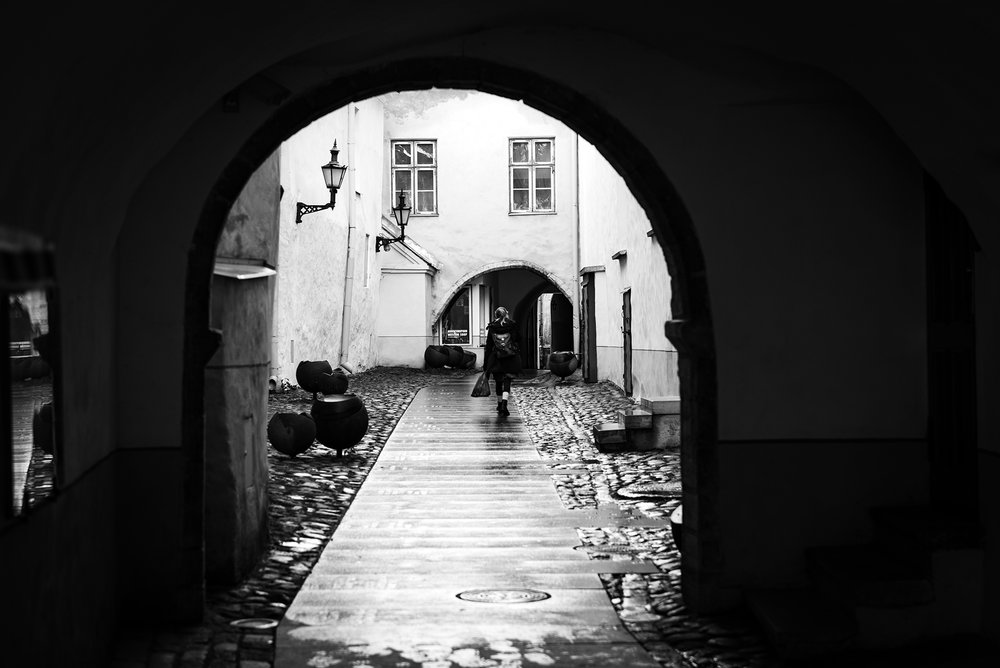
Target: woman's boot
503 408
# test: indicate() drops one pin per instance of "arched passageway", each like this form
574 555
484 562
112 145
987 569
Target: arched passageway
515 285
690 330
799 155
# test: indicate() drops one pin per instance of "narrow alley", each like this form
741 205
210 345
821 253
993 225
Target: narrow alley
369 552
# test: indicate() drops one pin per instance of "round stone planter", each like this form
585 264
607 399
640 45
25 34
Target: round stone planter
456 356
341 421
677 526
291 433
42 432
436 357
333 383
310 374
24 368
563 363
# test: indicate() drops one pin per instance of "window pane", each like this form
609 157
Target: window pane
402 182
519 200
543 177
519 178
425 179
425 202
402 154
519 151
543 151
425 153
455 324
543 199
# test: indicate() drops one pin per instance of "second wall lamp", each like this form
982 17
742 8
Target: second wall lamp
401 214
333 175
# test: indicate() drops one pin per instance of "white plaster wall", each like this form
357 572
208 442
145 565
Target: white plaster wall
402 327
611 220
315 270
473 230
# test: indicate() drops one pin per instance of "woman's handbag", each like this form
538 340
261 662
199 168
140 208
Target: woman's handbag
482 388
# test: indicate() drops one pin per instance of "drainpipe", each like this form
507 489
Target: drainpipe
345 320
577 296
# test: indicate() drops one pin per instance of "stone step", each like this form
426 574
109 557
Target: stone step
925 527
869 576
635 418
610 437
802 622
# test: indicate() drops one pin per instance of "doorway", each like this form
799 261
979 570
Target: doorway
627 342
588 328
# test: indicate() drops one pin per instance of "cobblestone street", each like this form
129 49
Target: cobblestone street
310 493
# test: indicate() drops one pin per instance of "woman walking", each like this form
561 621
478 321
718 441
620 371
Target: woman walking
502 355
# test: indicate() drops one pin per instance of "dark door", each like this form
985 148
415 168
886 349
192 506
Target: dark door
529 351
562 323
588 329
627 340
951 363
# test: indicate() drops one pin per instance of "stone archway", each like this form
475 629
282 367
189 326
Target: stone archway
453 290
690 331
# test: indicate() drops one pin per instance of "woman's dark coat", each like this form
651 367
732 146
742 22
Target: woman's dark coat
494 364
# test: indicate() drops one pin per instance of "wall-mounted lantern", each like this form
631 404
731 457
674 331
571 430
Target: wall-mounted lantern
333 175
401 214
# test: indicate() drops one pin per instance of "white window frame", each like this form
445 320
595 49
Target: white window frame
532 166
413 168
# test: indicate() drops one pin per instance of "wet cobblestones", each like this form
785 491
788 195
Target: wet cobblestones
310 493
559 417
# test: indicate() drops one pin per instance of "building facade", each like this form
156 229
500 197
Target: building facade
504 211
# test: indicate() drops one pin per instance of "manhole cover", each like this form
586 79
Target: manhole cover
651 490
503 595
254 623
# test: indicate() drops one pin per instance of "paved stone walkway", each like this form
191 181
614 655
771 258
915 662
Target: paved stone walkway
311 494
460 503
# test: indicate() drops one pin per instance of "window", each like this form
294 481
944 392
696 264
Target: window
414 163
455 324
532 170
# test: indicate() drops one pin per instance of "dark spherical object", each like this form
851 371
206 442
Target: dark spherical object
42 428
435 357
44 346
456 356
563 363
333 383
309 374
39 368
24 368
341 421
470 360
291 433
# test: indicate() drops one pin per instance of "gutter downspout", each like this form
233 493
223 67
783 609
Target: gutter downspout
577 294
345 319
